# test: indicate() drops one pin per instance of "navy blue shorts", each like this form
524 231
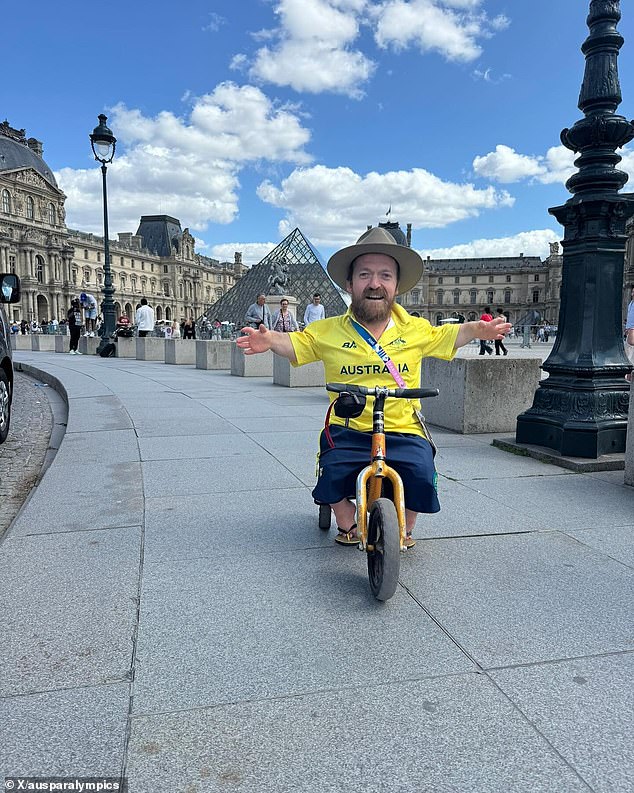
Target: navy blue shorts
410 455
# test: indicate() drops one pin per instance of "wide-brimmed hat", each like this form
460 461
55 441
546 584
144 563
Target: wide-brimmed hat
378 240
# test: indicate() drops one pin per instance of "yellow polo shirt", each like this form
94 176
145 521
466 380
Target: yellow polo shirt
349 359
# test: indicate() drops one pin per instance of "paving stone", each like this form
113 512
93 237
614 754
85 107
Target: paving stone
82 638
273 625
584 709
77 732
614 541
521 599
453 735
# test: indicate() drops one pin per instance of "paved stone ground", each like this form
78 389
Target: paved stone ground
22 454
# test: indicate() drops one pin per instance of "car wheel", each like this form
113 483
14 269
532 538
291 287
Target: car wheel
5 405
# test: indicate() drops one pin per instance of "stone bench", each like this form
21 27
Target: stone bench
180 351
250 365
479 394
88 345
213 354
62 343
629 444
284 373
150 348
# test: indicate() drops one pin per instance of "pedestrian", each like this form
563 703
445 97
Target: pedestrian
54 324
283 321
484 346
24 327
216 329
499 344
629 334
144 318
89 304
176 330
258 313
314 310
189 329
74 323
354 348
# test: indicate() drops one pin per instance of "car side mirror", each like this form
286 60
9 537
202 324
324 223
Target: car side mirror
9 288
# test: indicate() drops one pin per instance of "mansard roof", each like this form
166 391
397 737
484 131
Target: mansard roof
15 155
161 234
496 263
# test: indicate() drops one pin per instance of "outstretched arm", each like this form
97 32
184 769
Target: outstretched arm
261 340
489 331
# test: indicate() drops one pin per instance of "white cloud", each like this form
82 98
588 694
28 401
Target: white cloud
252 252
454 28
214 24
187 168
311 48
505 165
334 205
530 243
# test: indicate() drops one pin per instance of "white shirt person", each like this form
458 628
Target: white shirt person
314 310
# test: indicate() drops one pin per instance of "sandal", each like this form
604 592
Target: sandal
410 542
347 537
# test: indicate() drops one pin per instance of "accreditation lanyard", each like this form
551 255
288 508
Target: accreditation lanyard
374 344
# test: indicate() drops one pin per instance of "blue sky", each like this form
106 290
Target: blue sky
244 119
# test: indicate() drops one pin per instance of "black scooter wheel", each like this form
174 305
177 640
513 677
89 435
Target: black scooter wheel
384 560
324 516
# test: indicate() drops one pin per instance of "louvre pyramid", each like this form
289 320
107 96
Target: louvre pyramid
306 275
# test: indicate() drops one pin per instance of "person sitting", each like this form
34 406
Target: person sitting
376 343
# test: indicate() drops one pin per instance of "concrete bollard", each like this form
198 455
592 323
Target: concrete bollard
213 354
284 373
22 342
150 348
126 347
62 343
479 394
250 365
42 343
88 345
180 351
629 443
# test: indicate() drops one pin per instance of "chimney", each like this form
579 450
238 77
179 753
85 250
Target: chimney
409 235
368 228
237 257
521 255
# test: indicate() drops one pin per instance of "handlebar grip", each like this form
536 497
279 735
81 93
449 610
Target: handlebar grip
416 393
339 388
403 393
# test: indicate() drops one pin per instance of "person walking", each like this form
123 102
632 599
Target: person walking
74 325
144 318
499 344
258 313
283 321
314 310
484 347
176 330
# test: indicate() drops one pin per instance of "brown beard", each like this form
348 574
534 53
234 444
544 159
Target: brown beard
370 311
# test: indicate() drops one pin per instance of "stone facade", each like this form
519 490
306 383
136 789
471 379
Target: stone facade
56 263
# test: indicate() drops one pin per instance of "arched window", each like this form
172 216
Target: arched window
473 297
6 201
489 295
52 215
180 291
415 297
166 288
87 275
507 295
30 208
439 297
168 312
153 286
218 293
123 281
456 297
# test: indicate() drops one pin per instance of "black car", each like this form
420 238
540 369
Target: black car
9 293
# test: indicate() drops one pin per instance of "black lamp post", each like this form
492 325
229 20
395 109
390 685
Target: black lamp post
103 144
581 409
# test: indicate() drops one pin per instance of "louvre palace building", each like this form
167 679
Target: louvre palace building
159 262
56 263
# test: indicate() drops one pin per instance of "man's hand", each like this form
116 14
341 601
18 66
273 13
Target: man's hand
488 331
263 339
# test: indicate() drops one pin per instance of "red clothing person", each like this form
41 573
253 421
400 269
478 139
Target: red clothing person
484 347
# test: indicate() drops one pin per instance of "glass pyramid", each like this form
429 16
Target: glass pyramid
306 275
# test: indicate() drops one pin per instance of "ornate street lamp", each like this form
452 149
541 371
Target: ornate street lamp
581 409
103 144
